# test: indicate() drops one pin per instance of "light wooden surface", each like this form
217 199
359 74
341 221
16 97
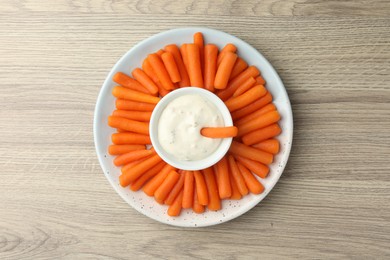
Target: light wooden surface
333 200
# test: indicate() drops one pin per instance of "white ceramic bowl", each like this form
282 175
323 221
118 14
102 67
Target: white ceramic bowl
197 164
106 104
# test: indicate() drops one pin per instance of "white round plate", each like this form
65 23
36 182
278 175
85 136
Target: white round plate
106 104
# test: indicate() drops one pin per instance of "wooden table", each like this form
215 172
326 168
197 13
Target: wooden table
333 200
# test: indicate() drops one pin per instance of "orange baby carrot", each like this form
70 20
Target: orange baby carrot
188 189
260 81
131 156
170 65
148 69
166 186
257 168
194 66
269 145
128 82
266 99
125 93
197 207
251 153
239 67
133 163
129 125
123 104
175 190
159 68
184 55
254 186
125 148
228 48
198 41
256 114
237 177
145 80
261 134
236 195
223 181
246 85
160 52
175 209
224 70
210 66
143 116
132 174
152 185
138 183
259 122
235 83
201 188
130 138
174 50
212 189
219 132
245 99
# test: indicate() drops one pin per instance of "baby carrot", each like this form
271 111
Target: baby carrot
269 145
259 122
131 156
201 188
184 55
254 186
261 134
235 83
245 99
223 181
212 189
246 85
142 116
138 183
125 93
251 153
256 114
125 148
128 82
130 138
188 189
237 177
260 81
175 209
133 163
236 195
266 99
239 67
132 174
174 50
219 132
228 48
166 186
224 70
145 80
152 185
129 125
159 68
257 168
175 190
170 65
194 66
148 69
198 40
210 66
123 104
197 207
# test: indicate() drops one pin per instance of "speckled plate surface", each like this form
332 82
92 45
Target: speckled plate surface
106 104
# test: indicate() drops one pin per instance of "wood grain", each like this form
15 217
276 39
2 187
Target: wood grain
333 200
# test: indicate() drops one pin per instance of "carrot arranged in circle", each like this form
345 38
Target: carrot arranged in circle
237 177
130 138
266 99
152 185
210 66
251 153
201 188
160 70
223 181
194 66
143 116
246 85
239 67
212 189
175 190
129 94
260 81
133 163
148 69
174 50
224 70
257 168
125 148
269 145
259 122
197 207
261 134
123 104
139 183
198 41
175 209
184 56
245 99
128 82
131 156
228 48
256 114
145 80
170 65
236 195
129 125
188 189
166 186
219 132
254 186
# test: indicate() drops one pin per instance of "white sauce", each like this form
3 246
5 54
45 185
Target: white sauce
180 124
